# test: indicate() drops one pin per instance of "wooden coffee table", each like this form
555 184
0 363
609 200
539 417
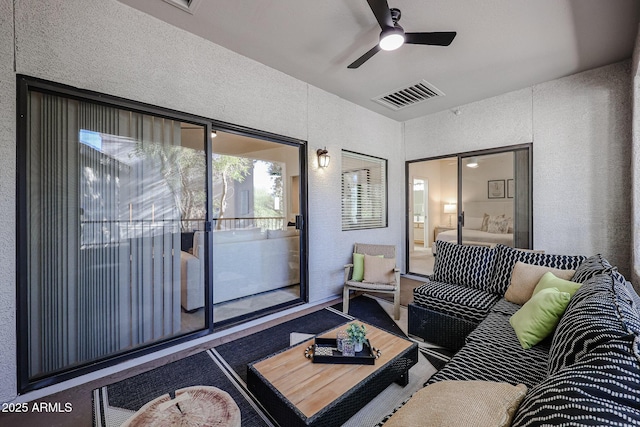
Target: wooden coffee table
298 392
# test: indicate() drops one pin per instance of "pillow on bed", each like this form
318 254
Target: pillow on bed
474 223
498 224
485 222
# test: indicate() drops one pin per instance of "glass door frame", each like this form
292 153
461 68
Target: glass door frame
459 223
301 222
26 84
499 150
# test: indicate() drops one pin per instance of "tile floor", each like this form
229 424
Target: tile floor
421 261
194 321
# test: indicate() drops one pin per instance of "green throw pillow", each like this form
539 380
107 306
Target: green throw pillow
358 267
550 280
539 316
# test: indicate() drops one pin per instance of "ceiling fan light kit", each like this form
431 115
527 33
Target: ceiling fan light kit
393 35
391 38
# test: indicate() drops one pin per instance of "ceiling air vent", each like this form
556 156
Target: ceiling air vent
408 96
188 6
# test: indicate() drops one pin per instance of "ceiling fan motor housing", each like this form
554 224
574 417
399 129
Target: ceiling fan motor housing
395 15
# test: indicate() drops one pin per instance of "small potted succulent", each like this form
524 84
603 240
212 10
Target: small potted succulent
357 334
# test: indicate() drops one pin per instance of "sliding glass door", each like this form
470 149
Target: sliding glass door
138 229
480 198
256 234
486 204
107 190
495 198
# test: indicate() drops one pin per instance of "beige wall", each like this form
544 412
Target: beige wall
430 171
492 167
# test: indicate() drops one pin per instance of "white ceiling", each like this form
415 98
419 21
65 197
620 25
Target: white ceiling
501 46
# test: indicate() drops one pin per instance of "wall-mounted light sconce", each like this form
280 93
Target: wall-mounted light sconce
213 134
323 157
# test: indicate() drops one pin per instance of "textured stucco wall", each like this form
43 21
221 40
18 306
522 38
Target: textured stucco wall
339 124
109 47
7 204
494 122
580 127
581 155
635 165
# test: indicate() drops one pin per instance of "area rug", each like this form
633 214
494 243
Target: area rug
364 308
115 403
225 367
238 353
368 309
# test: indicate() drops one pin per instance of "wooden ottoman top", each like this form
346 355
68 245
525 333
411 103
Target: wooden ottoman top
313 386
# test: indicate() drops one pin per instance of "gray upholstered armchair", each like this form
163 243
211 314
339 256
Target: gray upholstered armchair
390 285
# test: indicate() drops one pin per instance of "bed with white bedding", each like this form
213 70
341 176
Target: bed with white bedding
483 224
473 236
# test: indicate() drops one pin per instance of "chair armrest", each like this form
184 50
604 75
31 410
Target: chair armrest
347 272
186 258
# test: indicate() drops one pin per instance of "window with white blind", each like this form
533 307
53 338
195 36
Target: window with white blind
364 191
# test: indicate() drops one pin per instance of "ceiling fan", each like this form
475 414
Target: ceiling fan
393 35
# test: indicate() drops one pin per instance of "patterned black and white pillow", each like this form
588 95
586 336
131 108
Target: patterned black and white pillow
600 390
591 319
464 265
506 258
628 303
592 266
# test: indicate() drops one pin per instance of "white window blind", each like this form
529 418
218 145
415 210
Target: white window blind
364 191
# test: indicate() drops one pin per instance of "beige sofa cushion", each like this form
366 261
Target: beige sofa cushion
460 403
525 277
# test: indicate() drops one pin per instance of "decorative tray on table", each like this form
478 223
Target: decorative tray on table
325 350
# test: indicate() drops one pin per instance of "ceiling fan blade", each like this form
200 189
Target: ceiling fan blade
364 58
437 39
380 9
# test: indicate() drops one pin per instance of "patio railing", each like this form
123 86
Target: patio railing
102 232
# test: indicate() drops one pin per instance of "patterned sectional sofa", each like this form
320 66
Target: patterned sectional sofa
467 282
586 373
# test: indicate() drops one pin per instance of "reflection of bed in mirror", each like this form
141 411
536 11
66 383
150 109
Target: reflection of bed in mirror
474 233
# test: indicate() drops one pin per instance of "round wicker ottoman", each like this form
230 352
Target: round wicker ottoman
197 406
